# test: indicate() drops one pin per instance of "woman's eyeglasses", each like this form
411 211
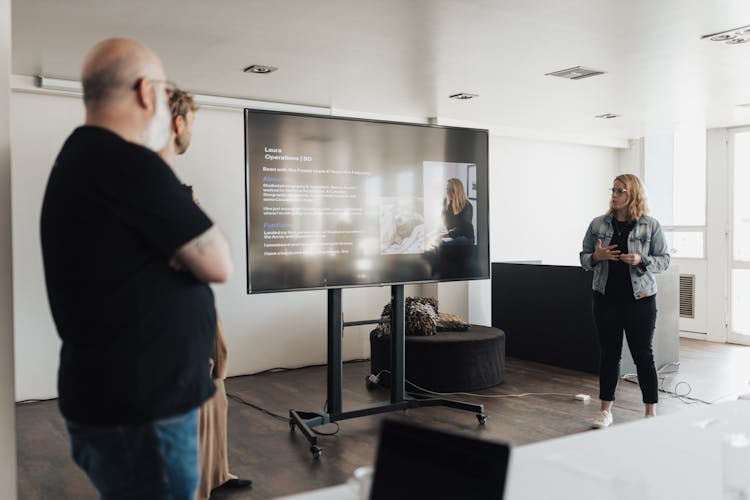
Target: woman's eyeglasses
618 191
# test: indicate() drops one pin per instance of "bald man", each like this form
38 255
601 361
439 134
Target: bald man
128 257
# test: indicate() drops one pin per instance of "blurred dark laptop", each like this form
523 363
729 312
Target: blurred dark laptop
415 462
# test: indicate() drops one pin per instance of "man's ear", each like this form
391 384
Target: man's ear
178 124
140 92
144 93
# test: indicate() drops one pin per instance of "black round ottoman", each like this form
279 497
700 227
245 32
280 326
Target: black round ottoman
449 361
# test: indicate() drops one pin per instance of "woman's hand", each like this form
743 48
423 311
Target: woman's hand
633 259
606 253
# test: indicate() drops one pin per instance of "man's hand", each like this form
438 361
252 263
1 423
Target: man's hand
606 253
633 259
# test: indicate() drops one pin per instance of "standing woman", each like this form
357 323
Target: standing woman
624 248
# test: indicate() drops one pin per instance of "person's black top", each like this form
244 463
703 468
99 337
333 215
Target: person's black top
136 334
619 287
460 224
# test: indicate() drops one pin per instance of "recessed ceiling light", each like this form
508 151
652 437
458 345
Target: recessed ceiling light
260 69
576 73
607 116
722 38
464 95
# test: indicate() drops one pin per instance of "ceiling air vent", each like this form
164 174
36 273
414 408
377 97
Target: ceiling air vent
687 296
576 73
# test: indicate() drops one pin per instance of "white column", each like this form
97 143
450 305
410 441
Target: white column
7 385
630 159
718 261
452 296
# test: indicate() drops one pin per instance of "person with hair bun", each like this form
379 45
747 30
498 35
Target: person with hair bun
212 415
625 248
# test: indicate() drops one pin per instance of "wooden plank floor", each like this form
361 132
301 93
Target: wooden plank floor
264 449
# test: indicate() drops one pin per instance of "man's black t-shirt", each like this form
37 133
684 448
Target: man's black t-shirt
137 334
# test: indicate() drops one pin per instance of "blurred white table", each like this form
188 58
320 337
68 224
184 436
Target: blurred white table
671 456
676 456
341 492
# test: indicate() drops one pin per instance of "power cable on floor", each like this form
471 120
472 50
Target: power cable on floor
238 399
675 393
422 389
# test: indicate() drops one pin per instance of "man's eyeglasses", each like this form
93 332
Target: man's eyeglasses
618 191
169 86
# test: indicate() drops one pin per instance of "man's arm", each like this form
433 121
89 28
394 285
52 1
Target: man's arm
207 256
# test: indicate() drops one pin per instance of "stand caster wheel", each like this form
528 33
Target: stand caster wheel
372 382
316 451
481 418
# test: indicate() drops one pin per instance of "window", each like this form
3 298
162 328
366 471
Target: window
675 176
740 237
741 210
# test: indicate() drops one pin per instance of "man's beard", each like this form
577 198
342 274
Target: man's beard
160 127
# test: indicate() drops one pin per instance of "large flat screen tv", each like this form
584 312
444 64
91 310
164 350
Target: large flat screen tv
338 202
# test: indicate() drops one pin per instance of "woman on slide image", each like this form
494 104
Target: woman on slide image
624 248
458 214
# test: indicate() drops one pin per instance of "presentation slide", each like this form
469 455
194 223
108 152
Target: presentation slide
339 202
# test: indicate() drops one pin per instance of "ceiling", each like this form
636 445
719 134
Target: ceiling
403 58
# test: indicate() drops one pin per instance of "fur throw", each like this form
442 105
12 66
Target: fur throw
452 322
422 318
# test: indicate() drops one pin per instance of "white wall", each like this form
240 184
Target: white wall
40 125
7 408
631 159
542 197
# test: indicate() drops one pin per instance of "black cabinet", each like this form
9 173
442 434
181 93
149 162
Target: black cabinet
545 312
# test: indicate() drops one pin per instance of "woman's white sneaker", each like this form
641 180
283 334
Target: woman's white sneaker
604 419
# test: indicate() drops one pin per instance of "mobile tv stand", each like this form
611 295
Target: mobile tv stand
399 399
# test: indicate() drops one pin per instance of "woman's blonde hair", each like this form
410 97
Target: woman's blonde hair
637 204
459 194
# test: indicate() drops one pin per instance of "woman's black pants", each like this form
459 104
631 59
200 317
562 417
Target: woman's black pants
638 320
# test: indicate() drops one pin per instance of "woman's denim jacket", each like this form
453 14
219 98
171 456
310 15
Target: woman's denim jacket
646 238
